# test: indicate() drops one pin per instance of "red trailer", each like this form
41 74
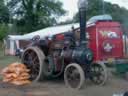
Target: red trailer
106 41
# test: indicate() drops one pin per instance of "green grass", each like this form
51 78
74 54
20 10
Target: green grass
5 60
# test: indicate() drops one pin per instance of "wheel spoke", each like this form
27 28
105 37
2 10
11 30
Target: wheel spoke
35 59
98 74
74 76
31 59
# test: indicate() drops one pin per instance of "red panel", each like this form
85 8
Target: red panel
106 40
92 40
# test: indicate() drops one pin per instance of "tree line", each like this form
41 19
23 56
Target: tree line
24 16
118 13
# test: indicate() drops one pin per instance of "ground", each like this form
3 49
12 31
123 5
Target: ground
57 87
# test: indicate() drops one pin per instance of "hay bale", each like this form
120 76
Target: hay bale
16 73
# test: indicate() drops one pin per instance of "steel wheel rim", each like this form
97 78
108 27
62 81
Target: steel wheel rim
31 60
73 77
97 74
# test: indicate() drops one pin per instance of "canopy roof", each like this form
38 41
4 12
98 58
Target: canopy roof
50 31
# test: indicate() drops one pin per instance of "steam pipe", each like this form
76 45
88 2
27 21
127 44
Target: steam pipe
82 15
82 5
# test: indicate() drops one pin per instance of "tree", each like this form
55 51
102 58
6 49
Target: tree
3 31
119 14
4 13
35 14
66 22
4 19
95 8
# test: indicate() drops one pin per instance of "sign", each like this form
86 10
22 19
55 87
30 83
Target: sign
108 34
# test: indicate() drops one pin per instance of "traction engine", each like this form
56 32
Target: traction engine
61 55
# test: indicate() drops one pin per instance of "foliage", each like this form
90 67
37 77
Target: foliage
66 22
4 13
119 14
95 8
3 31
35 14
4 19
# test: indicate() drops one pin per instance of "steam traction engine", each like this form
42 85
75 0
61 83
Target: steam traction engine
62 55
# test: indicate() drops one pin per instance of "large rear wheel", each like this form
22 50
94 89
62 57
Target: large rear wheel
74 76
33 58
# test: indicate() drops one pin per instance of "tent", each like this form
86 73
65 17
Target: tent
11 45
12 42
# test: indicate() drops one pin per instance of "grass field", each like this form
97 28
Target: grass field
5 60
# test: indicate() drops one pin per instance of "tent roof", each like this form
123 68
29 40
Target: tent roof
15 37
50 31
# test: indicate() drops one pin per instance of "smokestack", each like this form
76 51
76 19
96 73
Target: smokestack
82 5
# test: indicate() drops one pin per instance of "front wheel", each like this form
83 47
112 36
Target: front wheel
74 76
98 73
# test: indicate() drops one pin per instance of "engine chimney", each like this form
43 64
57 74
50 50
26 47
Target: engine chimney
82 5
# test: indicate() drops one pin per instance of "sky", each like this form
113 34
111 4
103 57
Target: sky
71 7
